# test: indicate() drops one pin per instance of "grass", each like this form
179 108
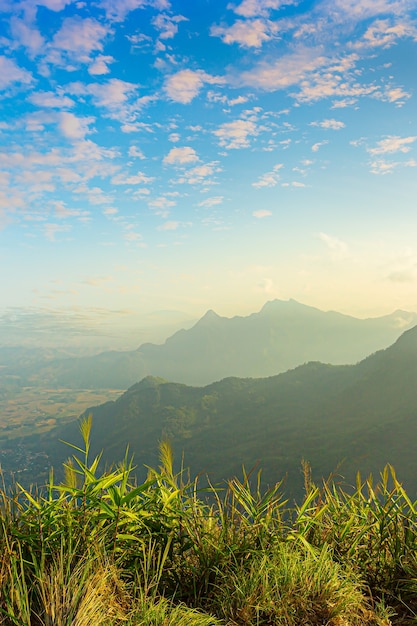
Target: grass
101 549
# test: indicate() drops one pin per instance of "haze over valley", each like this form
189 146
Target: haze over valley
282 335
217 195
345 398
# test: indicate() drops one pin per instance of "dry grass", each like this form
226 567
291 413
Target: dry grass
103 550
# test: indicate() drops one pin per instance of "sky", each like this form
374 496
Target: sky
186 155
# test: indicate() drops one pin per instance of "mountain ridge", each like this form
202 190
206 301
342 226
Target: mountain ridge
362 416
282 335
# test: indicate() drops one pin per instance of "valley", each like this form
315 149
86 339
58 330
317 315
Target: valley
29 410
280 386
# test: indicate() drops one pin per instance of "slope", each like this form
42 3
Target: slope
283 335
360 416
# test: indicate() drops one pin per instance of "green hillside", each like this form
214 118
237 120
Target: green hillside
340 418
157 547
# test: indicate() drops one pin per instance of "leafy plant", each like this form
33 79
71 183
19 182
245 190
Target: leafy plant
100 548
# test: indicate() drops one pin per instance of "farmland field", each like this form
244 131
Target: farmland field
29 410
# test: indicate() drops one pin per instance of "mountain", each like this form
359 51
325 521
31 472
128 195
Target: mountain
348 417
283 335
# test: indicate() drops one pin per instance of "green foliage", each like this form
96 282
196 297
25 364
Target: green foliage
346 417
102 549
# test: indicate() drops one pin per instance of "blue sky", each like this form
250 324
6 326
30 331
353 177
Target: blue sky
200 154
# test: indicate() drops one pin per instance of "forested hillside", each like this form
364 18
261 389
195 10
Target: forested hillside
339 418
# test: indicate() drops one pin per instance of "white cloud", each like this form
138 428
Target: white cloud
76 164
289 69
74 127
167 24
116 96
396 95
200 174
67 175
209 202
253 8
331 86
137 179
50 230
393 144
62 211
338 247
161 205
251 34
261 213
355 10
316 147
97 281
100 65
382 167
95 195
38 121
4 179
269 179
78 38
110 95
136 152
180 156
334 79
316 74
344 103
87 150
131 235
214 96
11 73
171 225
185 85
384 33
49 99
329 124
234 135
54 5
27 35
117 10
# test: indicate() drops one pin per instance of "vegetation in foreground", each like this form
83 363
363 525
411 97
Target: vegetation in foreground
101 549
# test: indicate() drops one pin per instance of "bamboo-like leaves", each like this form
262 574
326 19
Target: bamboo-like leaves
232 555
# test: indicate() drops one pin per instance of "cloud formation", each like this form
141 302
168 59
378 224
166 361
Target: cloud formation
329 124
180 156
270 179
393 144
185 85
261 213
139 125
236 134
251 34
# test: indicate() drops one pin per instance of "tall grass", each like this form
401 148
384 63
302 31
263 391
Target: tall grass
101 549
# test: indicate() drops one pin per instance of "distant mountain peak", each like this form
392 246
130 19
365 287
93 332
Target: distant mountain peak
407 341
149 382
272 306
403 318
210 316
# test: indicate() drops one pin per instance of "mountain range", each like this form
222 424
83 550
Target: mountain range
339 418
283 335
